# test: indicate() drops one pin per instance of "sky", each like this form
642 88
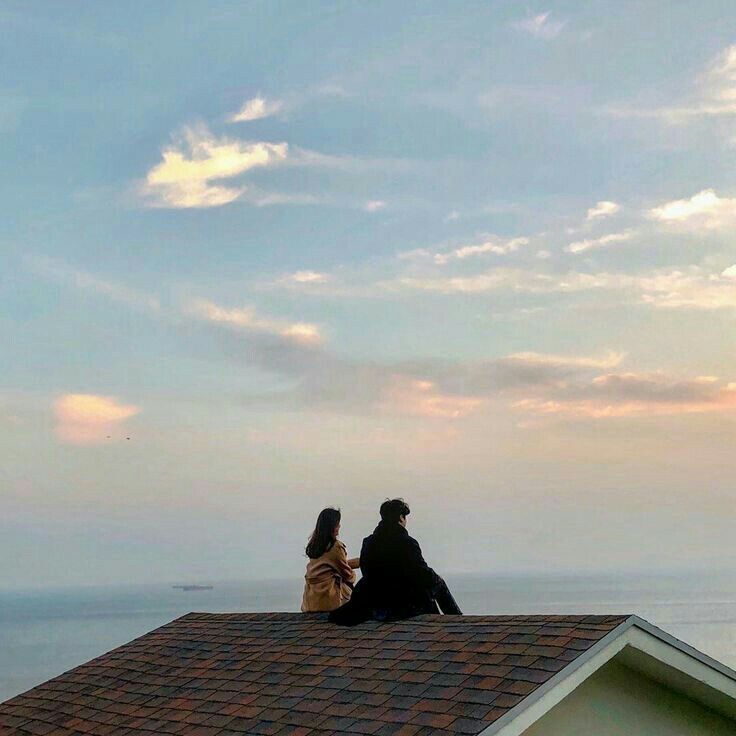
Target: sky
263 257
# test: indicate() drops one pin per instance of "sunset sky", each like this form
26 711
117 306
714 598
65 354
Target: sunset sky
260 257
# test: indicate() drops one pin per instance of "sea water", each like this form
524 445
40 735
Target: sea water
46 632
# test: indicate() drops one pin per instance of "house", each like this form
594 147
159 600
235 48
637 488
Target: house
282 673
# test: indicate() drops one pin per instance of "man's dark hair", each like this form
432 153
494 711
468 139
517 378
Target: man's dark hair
393 510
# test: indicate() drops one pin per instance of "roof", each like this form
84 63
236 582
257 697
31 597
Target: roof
246 673
283 673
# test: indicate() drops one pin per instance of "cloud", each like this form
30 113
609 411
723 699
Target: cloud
84 419
513 279
603 209
543 384
634 394
704 210
534 383
720 79
348 164
505 376
304 277
693 288
580 246
422 398
432 388
729 273
256 109
312 376
609 360
540 26
59 272
714 95
201 170
497 247
247 319
493 245
191 167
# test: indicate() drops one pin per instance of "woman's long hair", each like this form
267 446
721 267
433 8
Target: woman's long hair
323 536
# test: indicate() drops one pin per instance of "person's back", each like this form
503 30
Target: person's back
329 577
397 583
395 573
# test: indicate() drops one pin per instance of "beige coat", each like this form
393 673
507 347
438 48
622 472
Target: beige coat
326 581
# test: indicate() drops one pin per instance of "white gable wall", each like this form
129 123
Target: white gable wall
617 701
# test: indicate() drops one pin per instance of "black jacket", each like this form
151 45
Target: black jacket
396 583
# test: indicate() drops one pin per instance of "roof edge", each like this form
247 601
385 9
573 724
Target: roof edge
635 633
586 660
683 647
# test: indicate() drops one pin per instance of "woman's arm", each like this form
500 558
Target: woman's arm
343 564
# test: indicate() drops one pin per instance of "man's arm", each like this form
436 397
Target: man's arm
364 559
417 567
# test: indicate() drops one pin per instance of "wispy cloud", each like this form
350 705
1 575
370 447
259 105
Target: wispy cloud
423 398
610 360
196 163
201 170
512 279
691 288
248 319
60 272
256 108
580 246
374 205
86 419
536 383
714 95
491 245
304 277
633 394
540 25
494 246
602 209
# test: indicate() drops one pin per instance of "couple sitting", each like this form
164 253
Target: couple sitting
396 582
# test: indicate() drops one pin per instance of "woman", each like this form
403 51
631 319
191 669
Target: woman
329 580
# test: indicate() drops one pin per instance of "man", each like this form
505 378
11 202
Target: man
397 583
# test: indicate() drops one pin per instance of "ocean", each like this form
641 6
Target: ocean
46 632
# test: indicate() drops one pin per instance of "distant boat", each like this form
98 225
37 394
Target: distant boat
193 587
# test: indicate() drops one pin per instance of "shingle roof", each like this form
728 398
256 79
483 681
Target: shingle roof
282 673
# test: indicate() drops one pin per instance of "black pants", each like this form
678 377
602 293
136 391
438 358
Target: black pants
443 597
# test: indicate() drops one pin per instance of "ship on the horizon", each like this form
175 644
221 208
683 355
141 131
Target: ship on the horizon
193 587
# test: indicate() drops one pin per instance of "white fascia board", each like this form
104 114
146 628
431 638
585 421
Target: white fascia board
638 634
684 649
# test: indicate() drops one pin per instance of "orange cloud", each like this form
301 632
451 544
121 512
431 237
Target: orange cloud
422 398
636 395
85 419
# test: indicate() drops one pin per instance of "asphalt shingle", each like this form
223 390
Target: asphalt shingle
282 673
